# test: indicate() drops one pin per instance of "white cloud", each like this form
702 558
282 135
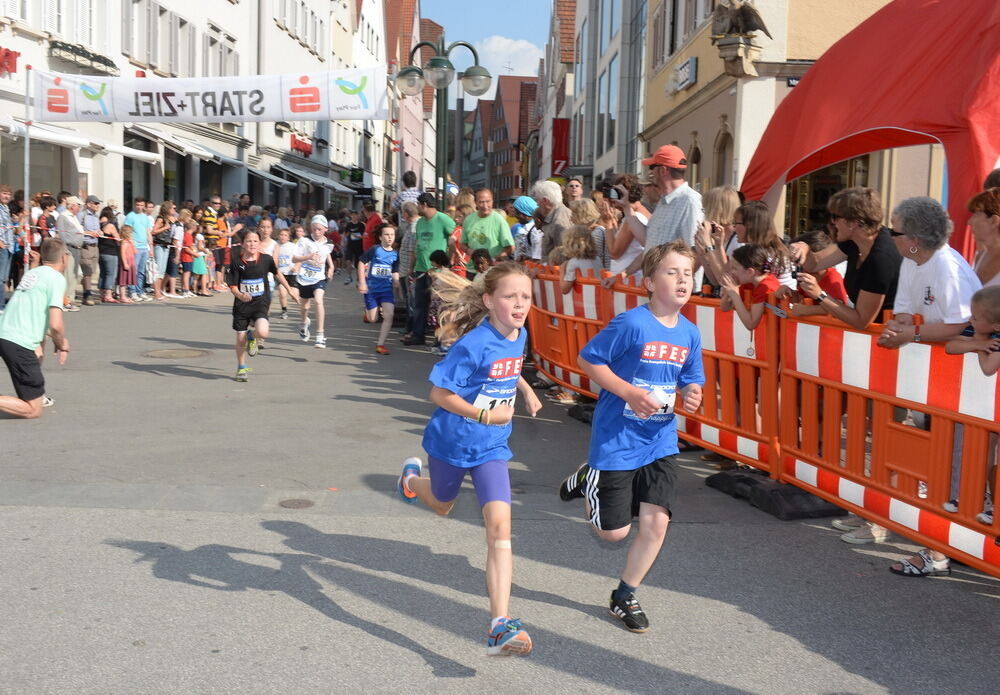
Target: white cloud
501 56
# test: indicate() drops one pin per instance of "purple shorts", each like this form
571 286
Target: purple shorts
491 480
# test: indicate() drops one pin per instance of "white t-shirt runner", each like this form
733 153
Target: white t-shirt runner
312 271
284 261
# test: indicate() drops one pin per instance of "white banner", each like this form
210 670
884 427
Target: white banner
319 96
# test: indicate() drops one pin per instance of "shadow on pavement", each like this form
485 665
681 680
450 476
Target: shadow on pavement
173 370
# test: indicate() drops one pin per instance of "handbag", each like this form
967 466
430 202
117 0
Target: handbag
151 274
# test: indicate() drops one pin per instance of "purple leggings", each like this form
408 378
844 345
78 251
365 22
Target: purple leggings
491 480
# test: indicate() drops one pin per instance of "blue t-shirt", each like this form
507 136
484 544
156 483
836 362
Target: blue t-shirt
483 368
645 353
140 224
381 265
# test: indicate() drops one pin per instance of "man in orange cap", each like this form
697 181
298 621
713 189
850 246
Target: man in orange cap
679 211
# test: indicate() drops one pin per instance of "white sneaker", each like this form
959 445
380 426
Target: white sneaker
304 330
848 523
320 340
869 533
48 401
171 296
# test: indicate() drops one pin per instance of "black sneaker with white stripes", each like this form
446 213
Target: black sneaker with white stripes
629 612
572 487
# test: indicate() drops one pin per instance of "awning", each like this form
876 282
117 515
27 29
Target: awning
174 142
217 156
63 138
272 178
314 179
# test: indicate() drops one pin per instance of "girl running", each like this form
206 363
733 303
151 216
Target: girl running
315 270
252 298
474 388
283 253
378 274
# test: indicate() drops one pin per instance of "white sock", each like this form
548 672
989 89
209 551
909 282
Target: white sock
496 621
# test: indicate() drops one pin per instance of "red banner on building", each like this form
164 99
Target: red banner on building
560 145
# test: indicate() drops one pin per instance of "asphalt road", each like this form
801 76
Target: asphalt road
146 549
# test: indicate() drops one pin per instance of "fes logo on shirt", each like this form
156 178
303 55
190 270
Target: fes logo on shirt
664 352
505 368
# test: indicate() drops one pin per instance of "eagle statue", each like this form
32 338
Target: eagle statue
736 18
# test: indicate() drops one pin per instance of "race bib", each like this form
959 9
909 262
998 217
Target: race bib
381 271
284 261
308 271
665 393
253 287
355 236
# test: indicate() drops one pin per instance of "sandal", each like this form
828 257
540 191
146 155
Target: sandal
562 397
928 566
540 383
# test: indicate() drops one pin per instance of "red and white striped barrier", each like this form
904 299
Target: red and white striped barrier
565 375
881 505
744 446
917 372
724 332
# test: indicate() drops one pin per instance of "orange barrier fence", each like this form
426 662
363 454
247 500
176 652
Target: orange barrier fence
821 406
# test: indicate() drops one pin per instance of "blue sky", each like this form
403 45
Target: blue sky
510 35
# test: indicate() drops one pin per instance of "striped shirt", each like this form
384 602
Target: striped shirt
407 248
676 217
6 228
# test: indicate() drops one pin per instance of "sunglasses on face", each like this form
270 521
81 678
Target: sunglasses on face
894 233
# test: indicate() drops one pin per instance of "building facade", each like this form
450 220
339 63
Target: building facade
555 92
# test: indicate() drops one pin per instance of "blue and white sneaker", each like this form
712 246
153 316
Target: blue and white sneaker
411 468
508 638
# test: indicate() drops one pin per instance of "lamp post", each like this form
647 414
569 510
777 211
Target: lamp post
439 72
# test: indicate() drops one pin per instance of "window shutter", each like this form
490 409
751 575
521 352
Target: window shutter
50 16
11 8
83 22
175 44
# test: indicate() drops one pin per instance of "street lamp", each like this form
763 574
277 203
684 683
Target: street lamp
438 72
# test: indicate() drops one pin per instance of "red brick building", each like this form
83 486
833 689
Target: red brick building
512 119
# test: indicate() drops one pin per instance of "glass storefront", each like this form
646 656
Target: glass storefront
806 197
211 178
136 173
46 166
174 179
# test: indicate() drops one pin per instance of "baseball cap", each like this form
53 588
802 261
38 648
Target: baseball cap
669 156
320 220
93 199
72 200
525 205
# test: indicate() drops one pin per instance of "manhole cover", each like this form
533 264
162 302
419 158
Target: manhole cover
295 504
176 354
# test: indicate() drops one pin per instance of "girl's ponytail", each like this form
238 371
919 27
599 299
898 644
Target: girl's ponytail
462 307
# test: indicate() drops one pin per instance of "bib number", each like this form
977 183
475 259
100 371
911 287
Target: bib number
490 398
307 271
381 271
664 393
284 261
255 288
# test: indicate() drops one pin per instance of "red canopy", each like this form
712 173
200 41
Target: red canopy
916 72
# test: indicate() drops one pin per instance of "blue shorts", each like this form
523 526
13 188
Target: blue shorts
186 266
491 480
309 291
376 298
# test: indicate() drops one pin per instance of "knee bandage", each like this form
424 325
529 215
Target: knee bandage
502 545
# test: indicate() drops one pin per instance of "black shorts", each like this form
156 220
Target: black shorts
245 313
292 280
221 257
308 291
354 253
614 496
25 370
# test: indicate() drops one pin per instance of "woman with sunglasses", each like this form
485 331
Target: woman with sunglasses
873 260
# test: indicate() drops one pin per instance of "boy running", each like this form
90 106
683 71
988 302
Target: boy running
251 298
315 270
34 310
378 274
643 360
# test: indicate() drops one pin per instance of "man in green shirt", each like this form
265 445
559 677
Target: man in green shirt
432 232
487 229
35 308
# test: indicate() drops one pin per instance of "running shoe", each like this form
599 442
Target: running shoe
304 330
411 468
382 349
70 307
284 314
508 638
48 401
252 345
572 487
320 341
243 374
629 612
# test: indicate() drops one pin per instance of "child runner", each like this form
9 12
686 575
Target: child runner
378 274
474 389
252 298
283 254
315 269
750 267
642 360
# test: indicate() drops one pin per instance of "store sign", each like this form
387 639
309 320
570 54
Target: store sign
8 60
686 74
300 145
324 96
560 145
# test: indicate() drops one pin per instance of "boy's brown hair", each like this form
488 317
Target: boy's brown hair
656 254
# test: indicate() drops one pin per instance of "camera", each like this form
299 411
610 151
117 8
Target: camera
608 191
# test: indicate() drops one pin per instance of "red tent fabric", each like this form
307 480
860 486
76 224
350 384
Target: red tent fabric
916 72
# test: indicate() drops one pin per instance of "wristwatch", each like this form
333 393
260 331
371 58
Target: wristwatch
821 297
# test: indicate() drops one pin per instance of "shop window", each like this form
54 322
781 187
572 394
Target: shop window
723 159
807 196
